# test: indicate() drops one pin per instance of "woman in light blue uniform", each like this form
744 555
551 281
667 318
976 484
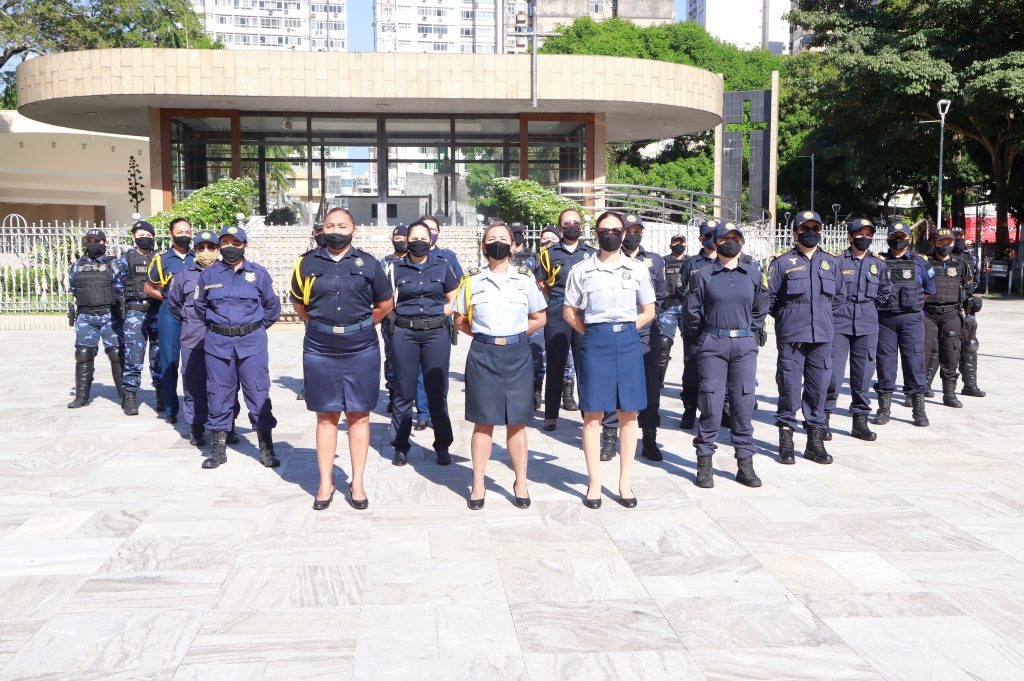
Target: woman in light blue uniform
499 306
607 298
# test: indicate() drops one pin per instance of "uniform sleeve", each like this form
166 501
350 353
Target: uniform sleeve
684 279
645 293
451 281
840 296
759 311
117 273
693 309
534 298
660 283
296 288
155 272
175 298
271 301
775 277
200 303
542 261
928 273
73 277
574 288
456 265
381 284
885 288
460 296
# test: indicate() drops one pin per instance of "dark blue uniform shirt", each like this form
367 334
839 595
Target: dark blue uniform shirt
725 299
453 260
420 289
182 304
229 297
865 286
690 265
553 268
165 265
802 296
339 293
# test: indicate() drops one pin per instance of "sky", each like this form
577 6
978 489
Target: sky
360 23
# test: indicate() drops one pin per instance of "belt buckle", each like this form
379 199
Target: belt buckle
501 341
616 328
733 333
338 329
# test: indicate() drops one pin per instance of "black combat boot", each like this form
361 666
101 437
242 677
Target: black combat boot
969 370
949 397
705 477
932 369
266 442
745 474
129 405
538 399
609 439
828 429
159 398
568 395
860 428
83 377
815 449
650 445
786 445
920 418
884 406
689 418
218 449
117 371
196 438
233 438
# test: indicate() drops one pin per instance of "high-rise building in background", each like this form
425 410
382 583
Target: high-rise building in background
552 13
303 25
743 23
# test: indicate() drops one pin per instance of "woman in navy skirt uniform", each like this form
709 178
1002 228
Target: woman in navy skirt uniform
341 292
499 306
607 298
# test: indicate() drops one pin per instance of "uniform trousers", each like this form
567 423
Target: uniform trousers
802 376
727 366
559 340
140 327
943 330
429 352
223 375
169 330
861 351
901 335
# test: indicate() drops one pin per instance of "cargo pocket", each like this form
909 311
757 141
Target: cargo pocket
707 393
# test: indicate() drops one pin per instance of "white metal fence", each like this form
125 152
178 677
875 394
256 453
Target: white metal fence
35 260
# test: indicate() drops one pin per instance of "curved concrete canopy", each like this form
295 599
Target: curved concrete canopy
111 90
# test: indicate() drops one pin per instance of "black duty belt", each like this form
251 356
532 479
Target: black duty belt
939 308
426 324
243 330
499 340
327 328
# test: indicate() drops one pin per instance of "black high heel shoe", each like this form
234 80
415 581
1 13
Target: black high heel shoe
358 504
521 502
319 505
475 504
628 502
592 503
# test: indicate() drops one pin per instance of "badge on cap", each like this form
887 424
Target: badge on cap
232 230
808 215
207 235
250 277
873 269
825 266
631 218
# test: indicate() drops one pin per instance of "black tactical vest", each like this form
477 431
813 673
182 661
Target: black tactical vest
949 281
137 275
673 279
908 296
522 257
94 285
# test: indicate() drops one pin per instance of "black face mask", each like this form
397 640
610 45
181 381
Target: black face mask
419 248
231 254
571 233
899 244
730 248
145 243
609 241
400 246
518 238
319 239
959 246
809 239
862 243
337 241
943 251
631 242
497 250
678 249
182 241
95 250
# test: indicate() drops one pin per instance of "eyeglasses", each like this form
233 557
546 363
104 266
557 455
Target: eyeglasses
609 231
572 223
205 247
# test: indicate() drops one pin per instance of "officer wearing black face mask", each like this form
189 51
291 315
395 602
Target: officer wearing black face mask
523 256
954 283
140 323
399 247
969 345
672 308
706 257
318 243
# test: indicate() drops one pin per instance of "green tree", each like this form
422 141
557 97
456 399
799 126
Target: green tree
901 56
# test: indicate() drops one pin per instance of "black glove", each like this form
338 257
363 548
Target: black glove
72 313
453 333
761 335
121 309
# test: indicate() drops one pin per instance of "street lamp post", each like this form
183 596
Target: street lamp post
810 156
943 107
835 214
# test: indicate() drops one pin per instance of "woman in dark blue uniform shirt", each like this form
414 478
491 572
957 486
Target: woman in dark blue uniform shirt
424 293
342 293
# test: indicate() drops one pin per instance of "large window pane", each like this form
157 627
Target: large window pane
200 153
557 151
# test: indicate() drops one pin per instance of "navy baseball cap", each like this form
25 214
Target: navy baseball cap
629 219
517 227
805 217
400 230
237 232
708 226
677 237
726 228
143 225
553 230
204 236
859 223
96 234
899 227
943 233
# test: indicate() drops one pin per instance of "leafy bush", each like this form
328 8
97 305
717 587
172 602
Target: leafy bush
528 202
281 216
212 206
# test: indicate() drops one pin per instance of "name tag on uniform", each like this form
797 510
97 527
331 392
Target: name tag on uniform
209 286
848 272
798 268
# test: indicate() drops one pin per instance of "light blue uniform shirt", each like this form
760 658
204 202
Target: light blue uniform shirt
501 303
609 292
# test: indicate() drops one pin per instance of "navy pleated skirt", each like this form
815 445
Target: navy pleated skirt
341 371
612 369
499 383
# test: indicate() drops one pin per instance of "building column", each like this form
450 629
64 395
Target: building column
159 182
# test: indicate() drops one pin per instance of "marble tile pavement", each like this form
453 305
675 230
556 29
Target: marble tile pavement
121 559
